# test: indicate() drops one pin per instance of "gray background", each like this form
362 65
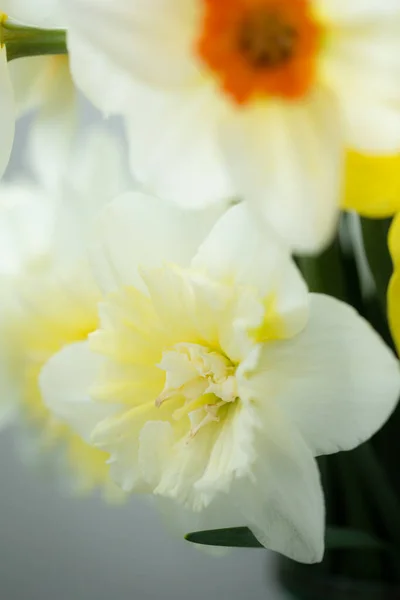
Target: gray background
53 546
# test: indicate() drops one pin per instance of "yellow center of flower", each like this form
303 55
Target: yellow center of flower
173 352
203 377
177 348
260 48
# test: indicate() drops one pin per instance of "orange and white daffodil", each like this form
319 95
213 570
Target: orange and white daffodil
49 297
41 83
251 98
214 378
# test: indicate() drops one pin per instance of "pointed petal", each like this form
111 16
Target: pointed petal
283 501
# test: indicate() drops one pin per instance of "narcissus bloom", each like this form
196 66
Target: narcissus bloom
214 378
49 297
254 98
40 83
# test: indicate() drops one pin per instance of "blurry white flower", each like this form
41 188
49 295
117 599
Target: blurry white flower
256 98
40 83
49 298
214 378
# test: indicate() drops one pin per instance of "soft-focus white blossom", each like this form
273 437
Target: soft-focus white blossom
40 83
49 297
253 98
214 378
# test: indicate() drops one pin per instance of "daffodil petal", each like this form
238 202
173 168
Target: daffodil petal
194 471
343 12
43 13
65 383
394 240
265 264
372 185
54 127
394 307
286 161
25 74
144 37
152 231
336 381
362 65
173 147
283 501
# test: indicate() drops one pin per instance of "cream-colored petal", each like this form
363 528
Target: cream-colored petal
65 383
26 225
342 12
361 64
336 381
53 131
240 249
152 39
41 13
286 161
173 144
139 230
26 75
283 500
194 472
90 68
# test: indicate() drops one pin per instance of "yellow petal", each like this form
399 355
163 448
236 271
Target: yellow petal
394 308
394 286
372 185
394 240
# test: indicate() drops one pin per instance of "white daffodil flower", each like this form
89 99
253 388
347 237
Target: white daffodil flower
41 83
49 297
253 98
214 378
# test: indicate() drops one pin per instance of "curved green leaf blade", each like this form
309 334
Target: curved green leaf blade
236 537
337 538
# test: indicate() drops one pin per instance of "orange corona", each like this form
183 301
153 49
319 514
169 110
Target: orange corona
260 48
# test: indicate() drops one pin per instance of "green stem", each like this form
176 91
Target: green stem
323 273
21 41
375 236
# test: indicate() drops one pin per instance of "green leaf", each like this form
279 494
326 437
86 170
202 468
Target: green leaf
337 538
237 537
